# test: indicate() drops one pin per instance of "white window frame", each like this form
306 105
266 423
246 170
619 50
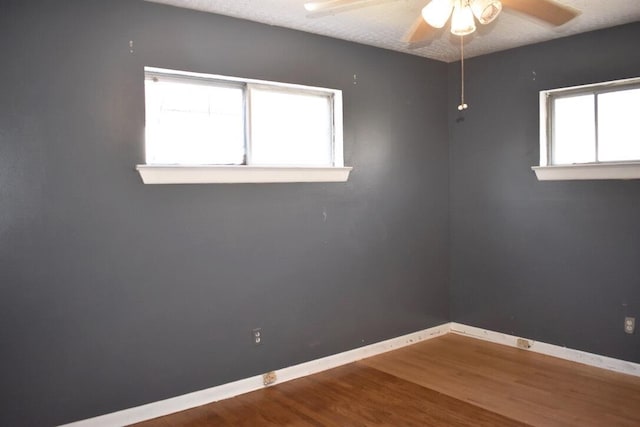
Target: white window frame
247 173
598 170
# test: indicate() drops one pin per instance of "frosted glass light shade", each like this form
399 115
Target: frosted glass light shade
462 22
486 10
311 6
437 12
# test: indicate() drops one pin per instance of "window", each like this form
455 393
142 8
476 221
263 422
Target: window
590 132
205 128
191 122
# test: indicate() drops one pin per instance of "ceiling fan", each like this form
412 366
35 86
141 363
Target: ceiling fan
437 12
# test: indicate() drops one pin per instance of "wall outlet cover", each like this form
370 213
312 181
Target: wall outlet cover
257 336
629 325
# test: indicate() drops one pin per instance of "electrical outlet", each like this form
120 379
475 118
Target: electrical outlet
257 336
629 324
269 378
522 343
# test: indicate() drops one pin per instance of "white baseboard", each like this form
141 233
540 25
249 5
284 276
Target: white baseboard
226 391
604 362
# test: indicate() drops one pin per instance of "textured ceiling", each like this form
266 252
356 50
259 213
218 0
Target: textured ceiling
383 23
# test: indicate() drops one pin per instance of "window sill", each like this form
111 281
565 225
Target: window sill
183 174
588 171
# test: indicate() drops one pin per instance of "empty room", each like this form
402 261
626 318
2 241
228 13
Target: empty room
319 213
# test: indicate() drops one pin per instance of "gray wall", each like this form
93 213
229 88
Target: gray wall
115 294
554 261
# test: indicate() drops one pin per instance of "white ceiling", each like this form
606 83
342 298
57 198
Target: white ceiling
383 23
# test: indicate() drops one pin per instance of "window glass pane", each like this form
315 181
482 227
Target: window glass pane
191 123
619 125
574 132
290 128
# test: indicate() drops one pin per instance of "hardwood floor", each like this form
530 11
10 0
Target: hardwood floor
529 387
447 381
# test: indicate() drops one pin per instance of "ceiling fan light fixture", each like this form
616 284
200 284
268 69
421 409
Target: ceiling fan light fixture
462 22
486 10
437 12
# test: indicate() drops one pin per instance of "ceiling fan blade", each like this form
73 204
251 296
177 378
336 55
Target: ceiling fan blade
419 31
546 10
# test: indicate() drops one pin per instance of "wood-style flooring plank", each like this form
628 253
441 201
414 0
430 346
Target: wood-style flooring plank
535 389
351 395
447 381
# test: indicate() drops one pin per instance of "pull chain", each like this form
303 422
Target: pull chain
462 105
